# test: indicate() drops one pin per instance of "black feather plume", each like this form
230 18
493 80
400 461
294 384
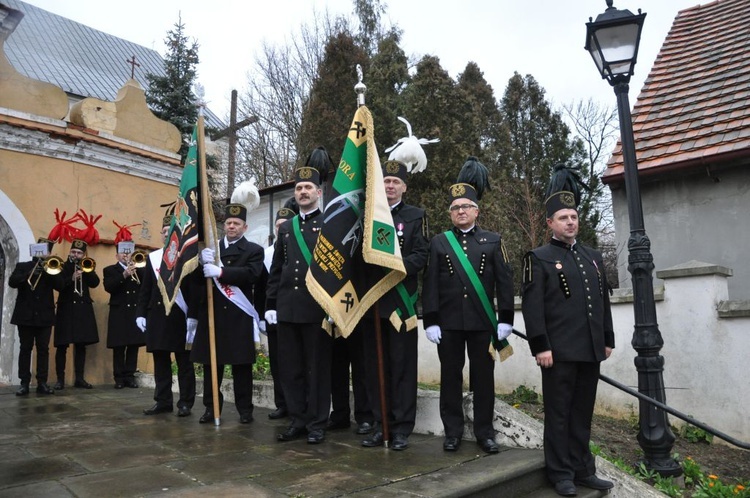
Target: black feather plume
320 160
475 174
566 177
291 203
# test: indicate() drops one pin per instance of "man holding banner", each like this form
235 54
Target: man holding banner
303 345
468 268
238 268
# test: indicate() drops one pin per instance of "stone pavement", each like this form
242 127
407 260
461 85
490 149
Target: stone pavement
97 443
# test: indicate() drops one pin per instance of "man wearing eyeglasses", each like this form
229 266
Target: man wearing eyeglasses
467 270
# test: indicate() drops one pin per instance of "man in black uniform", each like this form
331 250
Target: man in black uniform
165 334
34 315
236 321
303 344
398 319
569 325
123 281
75 323
468 268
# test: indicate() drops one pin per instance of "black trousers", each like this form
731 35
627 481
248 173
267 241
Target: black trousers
400 368
348 353
451 351
272 333
569 390
79 361
163 378
28 336
305 349
124 363
242 380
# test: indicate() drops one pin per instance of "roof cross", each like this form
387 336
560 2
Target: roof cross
132 63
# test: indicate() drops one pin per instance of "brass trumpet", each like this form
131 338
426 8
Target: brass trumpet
51 265
137 260
86 265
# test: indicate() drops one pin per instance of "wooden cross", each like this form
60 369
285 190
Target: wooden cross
132 63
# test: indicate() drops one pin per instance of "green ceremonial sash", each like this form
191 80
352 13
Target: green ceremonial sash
406 308
300 240
476 284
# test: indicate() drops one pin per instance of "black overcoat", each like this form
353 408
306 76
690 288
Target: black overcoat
75 322
34 308
123 302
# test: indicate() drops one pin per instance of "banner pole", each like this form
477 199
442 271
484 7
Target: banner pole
381 378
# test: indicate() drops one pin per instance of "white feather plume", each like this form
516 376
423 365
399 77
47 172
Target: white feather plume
409 151
246 193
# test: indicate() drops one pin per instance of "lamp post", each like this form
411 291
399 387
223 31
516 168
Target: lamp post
613 41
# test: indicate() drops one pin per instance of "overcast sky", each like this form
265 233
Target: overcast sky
544 38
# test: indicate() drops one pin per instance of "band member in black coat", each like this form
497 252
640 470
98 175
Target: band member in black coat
123 282
235 320
34 315
75 323
398 319
456 319
165 335
305 348
569 325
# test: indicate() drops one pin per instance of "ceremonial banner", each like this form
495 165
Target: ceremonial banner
181 247
357 257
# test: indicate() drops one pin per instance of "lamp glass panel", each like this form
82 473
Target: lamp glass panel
618 44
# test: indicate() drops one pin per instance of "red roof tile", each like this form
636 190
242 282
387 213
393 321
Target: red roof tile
695 103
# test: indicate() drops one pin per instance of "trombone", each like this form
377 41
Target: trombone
137 260
86 265
51 265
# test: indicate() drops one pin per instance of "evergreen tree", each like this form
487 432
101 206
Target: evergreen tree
170 96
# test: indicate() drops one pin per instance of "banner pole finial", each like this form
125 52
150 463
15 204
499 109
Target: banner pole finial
360 87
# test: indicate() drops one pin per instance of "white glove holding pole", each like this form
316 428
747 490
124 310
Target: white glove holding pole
141 323
208 255
504 330
270 317
434 334
211 271
192 326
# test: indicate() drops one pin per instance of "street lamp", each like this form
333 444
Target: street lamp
613 41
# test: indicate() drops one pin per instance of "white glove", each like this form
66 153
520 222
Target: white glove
263 327
270 317
434 334
208 255
211 270
141 323
503 331
192 326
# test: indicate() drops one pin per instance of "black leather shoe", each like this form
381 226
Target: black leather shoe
594 482
131 384
43 388
82 384
332 426
376 439
119 385
451 443
277 413
183 411
208 416
246 418
59 385
566 488
157 408
290 434
488 445
316 437
364 428
23 390
400 442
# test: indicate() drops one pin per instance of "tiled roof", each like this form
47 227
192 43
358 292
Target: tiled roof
83 61
694 108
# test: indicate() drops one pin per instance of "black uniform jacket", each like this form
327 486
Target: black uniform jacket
76 323
287 292
411 228
34 308
123 303
566 302
445 299
235 345
163 332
